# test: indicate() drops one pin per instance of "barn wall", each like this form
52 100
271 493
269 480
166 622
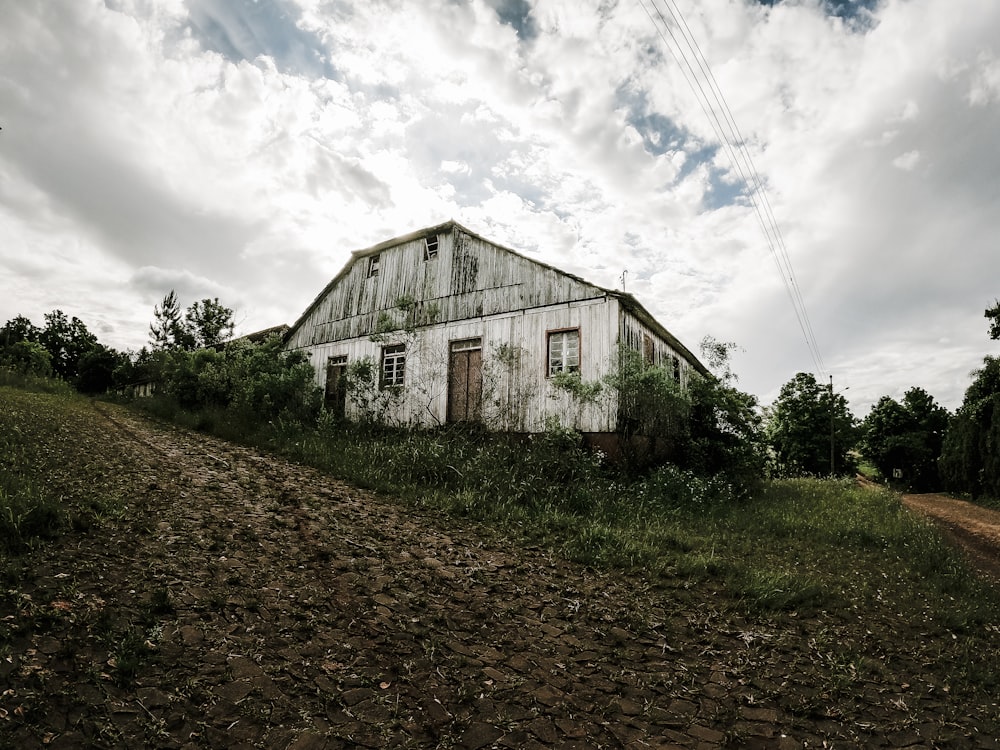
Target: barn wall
517 393
639 337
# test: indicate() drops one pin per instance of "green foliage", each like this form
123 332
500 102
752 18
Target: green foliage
804 421
63 349
709 427
906 436
28 358
209 322
48 480
372 403
167 329
970 456
96 369
205 323
993 316
651 402
245 385
66 340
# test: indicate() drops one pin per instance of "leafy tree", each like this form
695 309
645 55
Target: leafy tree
18 329
208 322
96 369
725 435
906 436
799 429
993 316
67 340
970 456
205 323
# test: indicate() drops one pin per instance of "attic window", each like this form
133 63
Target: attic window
564 351
373 262
431 247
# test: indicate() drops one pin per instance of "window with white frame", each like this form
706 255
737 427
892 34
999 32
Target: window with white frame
373 264
564 351
393 365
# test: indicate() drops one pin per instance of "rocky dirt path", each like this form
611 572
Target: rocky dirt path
972 527
245 601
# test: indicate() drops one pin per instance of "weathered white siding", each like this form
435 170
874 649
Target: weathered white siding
517 392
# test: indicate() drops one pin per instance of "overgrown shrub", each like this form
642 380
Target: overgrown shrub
244 386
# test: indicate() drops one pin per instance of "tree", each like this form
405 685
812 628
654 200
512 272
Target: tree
205 323
20 348
167 331
993 315
799 429
725 435
208 322
18 329
906 436
96 369
970 456
67 340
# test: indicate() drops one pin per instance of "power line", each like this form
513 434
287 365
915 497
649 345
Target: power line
698 75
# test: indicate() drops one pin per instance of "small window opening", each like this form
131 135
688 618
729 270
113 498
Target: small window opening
431 247
373 263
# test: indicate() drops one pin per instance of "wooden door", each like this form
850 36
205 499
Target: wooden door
465 380
335 397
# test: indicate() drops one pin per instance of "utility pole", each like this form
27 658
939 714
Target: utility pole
831 424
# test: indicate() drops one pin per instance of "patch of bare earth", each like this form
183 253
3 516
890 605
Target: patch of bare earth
973 528
245 601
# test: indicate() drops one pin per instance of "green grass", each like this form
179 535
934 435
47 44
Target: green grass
799 546
50 480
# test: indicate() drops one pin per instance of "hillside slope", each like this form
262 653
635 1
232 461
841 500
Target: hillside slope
239 600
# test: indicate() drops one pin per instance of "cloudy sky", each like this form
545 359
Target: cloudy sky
241 149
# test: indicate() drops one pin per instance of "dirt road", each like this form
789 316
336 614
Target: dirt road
972 527
245 601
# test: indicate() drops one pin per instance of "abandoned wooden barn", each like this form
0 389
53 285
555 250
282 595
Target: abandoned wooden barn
442 325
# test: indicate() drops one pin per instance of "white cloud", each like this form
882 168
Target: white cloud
907 162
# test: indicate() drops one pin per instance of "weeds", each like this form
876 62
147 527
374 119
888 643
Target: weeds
49 482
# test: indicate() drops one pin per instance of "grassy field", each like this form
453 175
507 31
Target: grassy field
798 545
48 484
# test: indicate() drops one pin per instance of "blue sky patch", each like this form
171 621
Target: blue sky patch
246 29
517 15
857 14
723 191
